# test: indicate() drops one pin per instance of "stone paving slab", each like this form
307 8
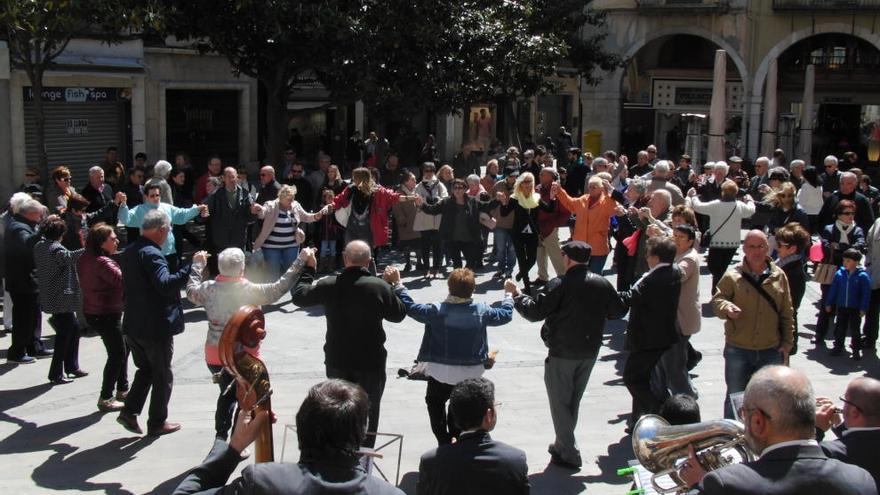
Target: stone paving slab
53 439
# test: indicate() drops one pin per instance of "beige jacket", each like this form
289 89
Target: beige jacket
689 313
269 214
758 326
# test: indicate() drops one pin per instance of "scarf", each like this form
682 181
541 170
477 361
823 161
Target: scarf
224 278
457 300
526 202
844 231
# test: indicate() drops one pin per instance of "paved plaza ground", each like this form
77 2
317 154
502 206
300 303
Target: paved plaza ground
53 439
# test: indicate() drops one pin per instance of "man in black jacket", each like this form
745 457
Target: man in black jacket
230 209
328 461
269 187
355 303
475 464
778 413
21 283
848 190
574 308
859 437
99 194
653 306
153 316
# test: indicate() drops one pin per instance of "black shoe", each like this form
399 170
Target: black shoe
694 360
519 276
60 381
498 275
837 351
22 360
557 460
819 342
77 374
856 355
540 283
407 268
43 353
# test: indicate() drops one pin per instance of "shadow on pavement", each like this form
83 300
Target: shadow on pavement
70 469
32 438
557 480
169 485
618 455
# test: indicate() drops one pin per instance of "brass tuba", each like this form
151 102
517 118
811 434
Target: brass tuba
659 446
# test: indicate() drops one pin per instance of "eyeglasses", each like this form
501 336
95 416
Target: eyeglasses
65 179
848 213
744 409
851 403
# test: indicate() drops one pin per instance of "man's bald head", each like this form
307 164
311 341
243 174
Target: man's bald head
784 395
864 393
357 253
267 174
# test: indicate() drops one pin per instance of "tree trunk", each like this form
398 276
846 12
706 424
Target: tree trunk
510 132
276 121
36 77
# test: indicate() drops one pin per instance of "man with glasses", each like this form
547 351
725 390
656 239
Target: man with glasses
269 187
857 425
848 190
297 179
134 217
830 178
754 299
778 414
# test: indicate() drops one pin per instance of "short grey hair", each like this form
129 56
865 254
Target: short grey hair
96 169
662 166
155 219
642 153
473 179
640 185
764 160
708 166
848 176
600 161
230 262
162 169
786 396
17 200
358 253
797 163
663 193
216 181
30 205
722 165
830 159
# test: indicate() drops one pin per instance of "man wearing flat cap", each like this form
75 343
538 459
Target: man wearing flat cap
574 307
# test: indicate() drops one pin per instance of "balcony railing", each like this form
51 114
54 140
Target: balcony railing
825 4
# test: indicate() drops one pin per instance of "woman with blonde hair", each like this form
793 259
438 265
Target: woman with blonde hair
525 203
334 181
782 206
280 238
446 176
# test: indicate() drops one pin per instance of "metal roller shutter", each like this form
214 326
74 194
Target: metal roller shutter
77 134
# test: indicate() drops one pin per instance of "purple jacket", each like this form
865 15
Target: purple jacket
100 280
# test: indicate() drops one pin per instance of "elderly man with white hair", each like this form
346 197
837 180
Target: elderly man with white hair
6 217
660 180
99 194
222 297
160 178
830 178
848 189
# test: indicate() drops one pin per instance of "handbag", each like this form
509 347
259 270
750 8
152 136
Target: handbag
824 273
707 236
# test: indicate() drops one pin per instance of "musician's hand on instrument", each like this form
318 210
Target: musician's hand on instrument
826 414
247 429
691 471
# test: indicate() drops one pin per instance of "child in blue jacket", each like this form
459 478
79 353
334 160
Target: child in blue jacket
850 293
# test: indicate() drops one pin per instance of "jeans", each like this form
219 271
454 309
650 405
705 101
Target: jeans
66 357
328 248
26 323
278 260
373 383
718 261
504 252
152 357
848 321
109 327
566 380
739 366
226 401
597 264
442 424
549 247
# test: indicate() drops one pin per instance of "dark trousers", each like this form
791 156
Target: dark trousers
66 356
226 401
431 244
825 318
373 383
526 248
181 233
637 378
152 357
109 327
469 251
848 321
442 424
718 261
26 323
872 318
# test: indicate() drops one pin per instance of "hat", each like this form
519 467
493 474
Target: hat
511 171
577 251
735 159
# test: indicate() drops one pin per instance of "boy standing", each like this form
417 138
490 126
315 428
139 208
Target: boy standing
851 293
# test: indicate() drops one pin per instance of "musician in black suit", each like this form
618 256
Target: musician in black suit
859 435
475 464
778 411
653 306
330 426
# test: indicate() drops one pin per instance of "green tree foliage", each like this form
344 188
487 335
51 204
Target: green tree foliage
39 30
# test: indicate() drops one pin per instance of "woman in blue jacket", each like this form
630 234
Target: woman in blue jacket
455 346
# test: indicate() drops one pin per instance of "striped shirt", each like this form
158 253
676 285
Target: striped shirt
283 234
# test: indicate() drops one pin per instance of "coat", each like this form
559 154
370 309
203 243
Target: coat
19 239
405 217
432 193
725 231
269 215
447 210
475 464
857 447
872 255
864 213
152 302
229 224
850 290
381 202
100 201
591 224
690 314
100 280
653 307
56 276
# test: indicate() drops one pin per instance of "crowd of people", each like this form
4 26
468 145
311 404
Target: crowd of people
647 222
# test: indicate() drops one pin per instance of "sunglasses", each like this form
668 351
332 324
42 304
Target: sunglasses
65 179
